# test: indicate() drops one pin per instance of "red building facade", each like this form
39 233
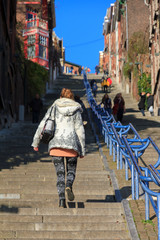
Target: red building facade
35 31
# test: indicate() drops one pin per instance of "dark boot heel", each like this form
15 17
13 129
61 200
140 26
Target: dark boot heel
62 203
70 193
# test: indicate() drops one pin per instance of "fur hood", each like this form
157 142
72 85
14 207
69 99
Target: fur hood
67 107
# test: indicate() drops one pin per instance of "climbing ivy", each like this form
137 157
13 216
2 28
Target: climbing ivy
127 69
37 77
122 2
144 83
138 44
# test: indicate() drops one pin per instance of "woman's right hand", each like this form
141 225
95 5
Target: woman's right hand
36 149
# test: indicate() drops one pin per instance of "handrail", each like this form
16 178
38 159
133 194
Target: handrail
116 136
154 173
132 156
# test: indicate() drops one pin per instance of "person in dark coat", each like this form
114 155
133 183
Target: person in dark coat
92 82
80 70
150 103
94 89
36 106
107 103
141 104
84 113
119 107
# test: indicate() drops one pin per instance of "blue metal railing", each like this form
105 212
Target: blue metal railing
127 148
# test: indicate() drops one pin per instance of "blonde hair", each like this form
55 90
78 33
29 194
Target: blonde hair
67 93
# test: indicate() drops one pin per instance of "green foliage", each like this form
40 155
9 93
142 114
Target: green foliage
144 83
37 77
138 44
148 221
122 2
122 11
127 68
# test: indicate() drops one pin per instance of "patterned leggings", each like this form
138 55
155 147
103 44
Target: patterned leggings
71 164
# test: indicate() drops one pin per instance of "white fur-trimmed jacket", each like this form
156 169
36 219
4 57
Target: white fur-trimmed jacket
69 130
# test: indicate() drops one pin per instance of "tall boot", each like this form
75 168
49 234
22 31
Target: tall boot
62 203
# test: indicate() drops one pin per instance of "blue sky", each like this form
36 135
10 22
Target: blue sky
79 23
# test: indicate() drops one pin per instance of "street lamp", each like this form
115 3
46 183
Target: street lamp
148 65
122 59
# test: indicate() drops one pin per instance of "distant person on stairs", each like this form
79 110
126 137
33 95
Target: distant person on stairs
119 107
36 106
107 103
150 103
141 104
68 141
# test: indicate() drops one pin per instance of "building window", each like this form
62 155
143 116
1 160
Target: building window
29 16
43 40
42 51
31 51
31 10
31 39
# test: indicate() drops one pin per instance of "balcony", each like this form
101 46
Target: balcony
39 23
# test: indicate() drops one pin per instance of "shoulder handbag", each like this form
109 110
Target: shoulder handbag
48 129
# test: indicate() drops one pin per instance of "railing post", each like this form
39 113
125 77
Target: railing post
114 152
121 158
121 162
118 155
126 168
158 215
110 146
146 198
137 185
133 183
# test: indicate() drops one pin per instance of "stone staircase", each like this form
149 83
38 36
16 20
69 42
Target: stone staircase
29 204
28 195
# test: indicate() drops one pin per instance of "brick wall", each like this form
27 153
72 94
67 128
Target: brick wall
138 16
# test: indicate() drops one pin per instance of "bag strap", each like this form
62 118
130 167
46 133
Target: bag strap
51 112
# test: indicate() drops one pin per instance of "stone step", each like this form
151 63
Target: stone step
109 226
69 211
77 182
65 234
8 204
50 172
50 168
91 159
59 219
43 175
74 239
53 178
50 185
50 197
102 211
36 190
